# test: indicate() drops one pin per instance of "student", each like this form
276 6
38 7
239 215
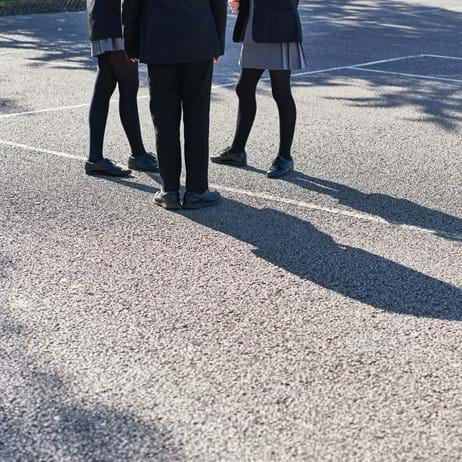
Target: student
272 39
179 40
114 67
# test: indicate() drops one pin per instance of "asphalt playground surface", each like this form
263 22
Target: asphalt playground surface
317 318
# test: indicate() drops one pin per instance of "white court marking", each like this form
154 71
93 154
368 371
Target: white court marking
403 74
44 151
444 57
415 76
215 87
269 197
354 67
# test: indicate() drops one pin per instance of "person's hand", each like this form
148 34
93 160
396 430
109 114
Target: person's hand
133 60
216 60
234 5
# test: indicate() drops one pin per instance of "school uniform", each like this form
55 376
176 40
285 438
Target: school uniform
104 26
114 69
271 34
178 40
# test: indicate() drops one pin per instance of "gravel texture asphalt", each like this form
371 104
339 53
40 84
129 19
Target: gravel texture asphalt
317 318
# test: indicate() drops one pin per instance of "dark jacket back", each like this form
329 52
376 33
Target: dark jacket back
275 21
174 31
104 19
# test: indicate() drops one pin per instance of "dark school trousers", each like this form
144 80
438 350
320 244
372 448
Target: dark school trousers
176 90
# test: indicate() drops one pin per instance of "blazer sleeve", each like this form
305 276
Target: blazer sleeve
219 9
131 27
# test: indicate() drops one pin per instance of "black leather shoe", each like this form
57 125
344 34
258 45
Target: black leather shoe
281 166
168 200
106 167
227 157
144 163
194 201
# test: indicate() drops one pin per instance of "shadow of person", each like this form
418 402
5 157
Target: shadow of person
299 248
392 209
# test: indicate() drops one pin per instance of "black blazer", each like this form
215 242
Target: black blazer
174 31
104 19
274 21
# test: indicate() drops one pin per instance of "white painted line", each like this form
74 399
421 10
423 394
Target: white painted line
334 211
354 66
458 58
268 197
45 151
40 111
215 87
79 106
392 60
402 74
302 204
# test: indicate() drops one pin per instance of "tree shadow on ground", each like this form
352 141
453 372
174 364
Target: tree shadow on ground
437 103
41 420
47 425
9 104
298 247
337 33
49 39
394 27
347 32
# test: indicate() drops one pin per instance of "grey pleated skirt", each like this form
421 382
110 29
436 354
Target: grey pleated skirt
99 47
271 56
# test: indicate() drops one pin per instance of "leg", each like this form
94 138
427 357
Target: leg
126 73
246 91
196 87
164 86
104 88
280 82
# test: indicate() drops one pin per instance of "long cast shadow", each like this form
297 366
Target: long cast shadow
392 209
298 247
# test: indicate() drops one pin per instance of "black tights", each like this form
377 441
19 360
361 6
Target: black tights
115 68
246 91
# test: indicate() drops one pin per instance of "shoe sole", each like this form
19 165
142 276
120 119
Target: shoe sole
154 170
202 205
168 206
124 175
277 177
230 163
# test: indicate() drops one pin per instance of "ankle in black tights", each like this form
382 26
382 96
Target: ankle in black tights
246 91
115 68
